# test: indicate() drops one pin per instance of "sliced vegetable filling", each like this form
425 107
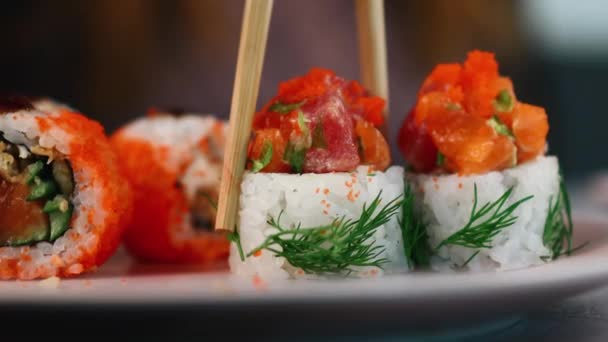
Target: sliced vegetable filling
36 186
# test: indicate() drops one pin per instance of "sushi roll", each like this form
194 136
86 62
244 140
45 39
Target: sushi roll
319 197
173 162
63 201
488 196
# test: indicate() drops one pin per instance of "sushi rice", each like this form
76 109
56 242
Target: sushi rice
313 200
444 203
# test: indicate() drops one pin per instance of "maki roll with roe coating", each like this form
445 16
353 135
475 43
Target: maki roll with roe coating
488 195
319 197
63 203
173 162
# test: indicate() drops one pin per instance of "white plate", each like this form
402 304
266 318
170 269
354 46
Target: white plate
412 299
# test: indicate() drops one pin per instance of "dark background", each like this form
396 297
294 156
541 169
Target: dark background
113 59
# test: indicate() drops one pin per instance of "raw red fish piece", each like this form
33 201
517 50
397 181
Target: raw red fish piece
530 127
315 117
376 151
341 152
416 145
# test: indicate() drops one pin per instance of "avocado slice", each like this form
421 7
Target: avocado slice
22 222
29 236
62 172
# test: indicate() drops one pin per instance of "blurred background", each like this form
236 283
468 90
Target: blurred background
113 59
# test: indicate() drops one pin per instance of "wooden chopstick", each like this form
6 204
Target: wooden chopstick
372 49
252 47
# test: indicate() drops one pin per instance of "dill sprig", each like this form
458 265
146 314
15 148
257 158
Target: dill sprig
478 233
558 226
413 230
336 248
236 238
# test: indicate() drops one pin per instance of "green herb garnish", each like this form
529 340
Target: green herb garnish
32 171
478 233
318 137
499 126
295 157
236 238
302 123
285 108
440 161
59 203
334 248
264 160
504 102
415 238
452 106
558 226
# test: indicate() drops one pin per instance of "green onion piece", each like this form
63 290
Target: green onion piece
302 123
295 157
261 163
42 190
59 203
59 222
284 108
32 171
453 106
440 159
504 102
499 126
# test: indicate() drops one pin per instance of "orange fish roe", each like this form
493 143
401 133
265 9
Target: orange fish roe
325 212
258 282
89 152
257 253
160 206
459 185
326 191
351 196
